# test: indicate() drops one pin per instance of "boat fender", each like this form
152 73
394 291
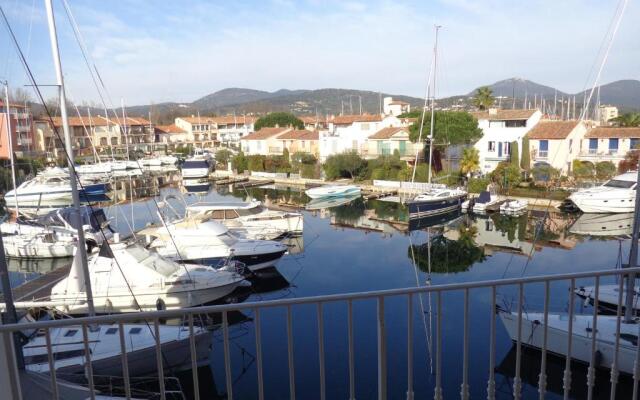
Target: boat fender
160 306
108 305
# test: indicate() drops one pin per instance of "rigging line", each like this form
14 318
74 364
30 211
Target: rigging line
424 110
415 270
33 6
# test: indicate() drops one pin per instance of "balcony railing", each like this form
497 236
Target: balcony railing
443 371
543 154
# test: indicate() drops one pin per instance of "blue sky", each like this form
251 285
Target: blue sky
160 50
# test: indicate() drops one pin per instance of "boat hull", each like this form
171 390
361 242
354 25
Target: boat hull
332 191
254 262
427 208
17 247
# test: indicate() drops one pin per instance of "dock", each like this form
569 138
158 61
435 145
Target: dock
254 183
39 287
231 180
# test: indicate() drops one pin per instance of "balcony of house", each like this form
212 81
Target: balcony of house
275 150
597 155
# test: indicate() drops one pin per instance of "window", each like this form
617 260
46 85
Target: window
135 331
593 146
492 146
613 145
103 141
520 123
619 184
111 331
570 145
543 151
507 148
496 124
71 333
230 214
634 143
114 140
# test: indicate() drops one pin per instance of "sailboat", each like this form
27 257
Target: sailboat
437 199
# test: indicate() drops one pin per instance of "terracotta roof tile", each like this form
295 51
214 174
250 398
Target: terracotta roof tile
302 134
612 132
350 119
99 120
169 129
387 133
233 119
399 103
504 115
552 130
265 133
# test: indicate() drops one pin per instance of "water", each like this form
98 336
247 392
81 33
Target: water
360 247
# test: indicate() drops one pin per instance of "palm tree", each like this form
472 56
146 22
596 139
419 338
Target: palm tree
628 119
483 98
470 161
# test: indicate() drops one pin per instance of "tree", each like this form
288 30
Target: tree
583 170
285 154
281 119
451 128
525 162
20 96
513 154
605 170
630 161
470 161
240 162
483 98
627 119
506 175
345 165
223 156
545 173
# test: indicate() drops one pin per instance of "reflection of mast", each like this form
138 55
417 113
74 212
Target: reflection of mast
427 330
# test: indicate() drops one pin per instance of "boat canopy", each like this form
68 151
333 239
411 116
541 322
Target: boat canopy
151 260
94 217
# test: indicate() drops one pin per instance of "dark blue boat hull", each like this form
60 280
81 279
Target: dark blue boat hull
427 208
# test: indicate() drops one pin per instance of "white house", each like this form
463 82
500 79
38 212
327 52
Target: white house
264 142
200 130
388 141
556 143
395 107
170 134
609 144
230 129
499 129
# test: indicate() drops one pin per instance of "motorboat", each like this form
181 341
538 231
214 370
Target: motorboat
533 328
249 215
196 167
68 352
614 196
100 168
39 245
197 185
207 242
480 204
608 296
603 225
150 162
130 278
333 191
514 207
168 160
437 200
328 202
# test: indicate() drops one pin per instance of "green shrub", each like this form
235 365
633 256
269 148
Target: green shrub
477 185
506 175
223 156
583 170
255 163
310 171
605 170
240 162
346 165
544 173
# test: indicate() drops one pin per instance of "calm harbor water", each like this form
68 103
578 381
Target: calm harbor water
362 246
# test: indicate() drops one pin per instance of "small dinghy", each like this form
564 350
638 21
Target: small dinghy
514 207
483 201
333 191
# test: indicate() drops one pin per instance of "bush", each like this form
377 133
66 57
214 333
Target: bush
605 170
240 162
223 156
385 168
544 173
506 175
276 164
282 119
477 185
310 171
255 163
583 170
346 165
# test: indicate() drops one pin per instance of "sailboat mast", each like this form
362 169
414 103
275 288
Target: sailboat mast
82 249
7 108
433 103
633 254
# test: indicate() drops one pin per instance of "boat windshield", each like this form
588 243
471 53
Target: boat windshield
249 211
152 260
228 239
195 164
618 184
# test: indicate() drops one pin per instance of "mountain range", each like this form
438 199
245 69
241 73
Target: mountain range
625 94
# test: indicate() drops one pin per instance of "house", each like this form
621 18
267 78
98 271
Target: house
21 123
499 129
556 143
230 129
170 134
609 144
300 140
201 131
389 140
606 113
45 140
314 122
264 141
395 107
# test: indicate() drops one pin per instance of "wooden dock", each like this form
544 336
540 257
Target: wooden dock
369 194
253 183
39 287
231 180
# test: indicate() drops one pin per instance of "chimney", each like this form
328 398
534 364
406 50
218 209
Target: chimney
493 111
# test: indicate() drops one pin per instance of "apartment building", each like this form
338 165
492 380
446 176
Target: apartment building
301 140
264 141
609 144
170 134
389 141
21 122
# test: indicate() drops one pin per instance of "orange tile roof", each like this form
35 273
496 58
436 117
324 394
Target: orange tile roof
265 133
504 115
302 134
552 130
169 129
612 132
387 133
350 119
198 120
16 105
232 119
399 103
99 120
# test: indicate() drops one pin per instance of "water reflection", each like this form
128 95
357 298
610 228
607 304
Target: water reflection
318 204
38 266
603 225
201 186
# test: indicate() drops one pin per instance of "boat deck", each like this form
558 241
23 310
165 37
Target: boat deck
39 287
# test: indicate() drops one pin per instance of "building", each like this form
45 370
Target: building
300 140
230 129
606 113
201 131
388 141
264 141
499 129
46 141
170 134
556 143
609 144
314 122
395 107
21 123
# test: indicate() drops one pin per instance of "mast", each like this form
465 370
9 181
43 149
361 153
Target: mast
82 249
433 102
633 255
124 127
7 108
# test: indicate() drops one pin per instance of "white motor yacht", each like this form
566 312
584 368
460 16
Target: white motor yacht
437 200
250 215
603 225
38 245
614 196
168 159
130 278
208 242
332 191
514 207
197 167
479 204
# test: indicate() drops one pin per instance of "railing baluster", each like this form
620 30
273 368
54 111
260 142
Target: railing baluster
227 355
89 367
636 368
52 365
542 378
491 384
614 364
437 394
464 388
159 360
258 334
410 347
321 352
382 352
194 359
591 371
292 377
517 381
566 380
125 362
352 377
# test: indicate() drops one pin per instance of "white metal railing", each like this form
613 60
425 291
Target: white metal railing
381 329
543 154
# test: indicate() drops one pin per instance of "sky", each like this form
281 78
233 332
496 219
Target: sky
152 51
